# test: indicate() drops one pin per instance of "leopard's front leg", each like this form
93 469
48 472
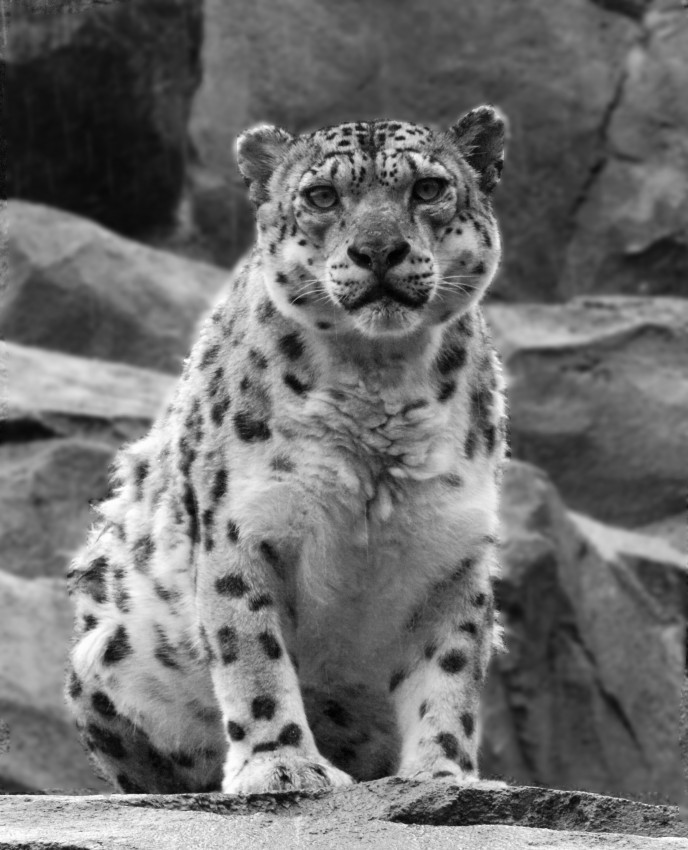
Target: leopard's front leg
437 686
271 747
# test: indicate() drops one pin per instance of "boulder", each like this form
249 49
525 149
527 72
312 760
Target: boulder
77 288
64 419
588 694
35 629
630 231
598 394
99 100
389 813
553 67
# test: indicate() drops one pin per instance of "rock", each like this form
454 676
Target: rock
63 422
77 288
35 630
385 814
631 226
99 103
554 68
587 695
598 393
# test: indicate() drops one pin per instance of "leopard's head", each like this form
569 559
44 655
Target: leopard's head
383 227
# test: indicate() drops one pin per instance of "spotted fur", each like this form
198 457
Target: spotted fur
291 582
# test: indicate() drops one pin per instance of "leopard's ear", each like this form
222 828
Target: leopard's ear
259 151
480 137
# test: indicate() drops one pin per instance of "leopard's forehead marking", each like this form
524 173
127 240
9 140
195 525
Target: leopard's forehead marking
371 138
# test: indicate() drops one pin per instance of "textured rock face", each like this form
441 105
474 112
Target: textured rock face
588 694
598 394
554 68
64 419
631 229
389 814
77 288
35 628
99 103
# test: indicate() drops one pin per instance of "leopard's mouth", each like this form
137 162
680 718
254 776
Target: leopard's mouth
384 293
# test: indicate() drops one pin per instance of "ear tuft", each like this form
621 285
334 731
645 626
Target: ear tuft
259 151
480 136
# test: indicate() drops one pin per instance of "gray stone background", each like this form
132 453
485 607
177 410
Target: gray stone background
126 211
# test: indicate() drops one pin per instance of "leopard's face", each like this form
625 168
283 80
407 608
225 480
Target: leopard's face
382 227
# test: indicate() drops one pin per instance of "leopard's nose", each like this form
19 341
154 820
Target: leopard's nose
378 258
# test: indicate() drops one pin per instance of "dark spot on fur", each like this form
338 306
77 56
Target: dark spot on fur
263 708
143 549
218 410
74 687
228 641
470 444
102 703
118 647
107 742
235 732
245 384
92 580
449 744
469 628
291 345
291 735
281 463
207 521
466 764
232 531
323 326
266 747
479 268
430 649
231 584
446 390
255 603
140 474
258 359
90 622
189 501
452 479
209 356
336 712
468 723
440 774
219 485
164 651
450 358
266 311
453 662
270 555
298 386
128 786
249 428
270 645
480 599
423 710
165 593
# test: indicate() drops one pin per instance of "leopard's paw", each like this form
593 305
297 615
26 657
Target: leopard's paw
282 773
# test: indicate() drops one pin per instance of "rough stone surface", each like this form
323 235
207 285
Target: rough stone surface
99 102
388 814
553 67
35 629
631 226
588 694
64 418
598 394
78 288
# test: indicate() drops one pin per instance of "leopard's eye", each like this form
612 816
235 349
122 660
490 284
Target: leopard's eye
322 197
429 189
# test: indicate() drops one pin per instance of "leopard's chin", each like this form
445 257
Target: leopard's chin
387 317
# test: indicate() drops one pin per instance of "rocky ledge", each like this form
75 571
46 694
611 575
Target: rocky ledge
390 813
